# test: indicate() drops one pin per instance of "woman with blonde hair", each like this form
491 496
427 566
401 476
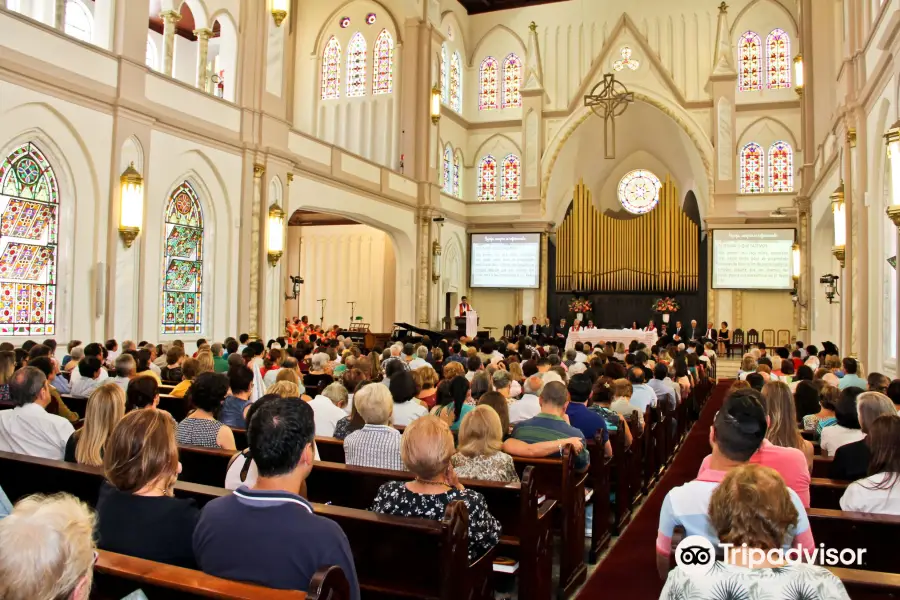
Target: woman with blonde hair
478 455
453 369
285 389
778 402
619 354
426 449
105 408
748 365
205 362
7 368
137 513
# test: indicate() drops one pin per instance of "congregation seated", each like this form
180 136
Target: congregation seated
328 408
782 413
738 432
426 449
426 380
47 549
529 404
240 384
142 392
268 533
57 406
189 370
90 369
137 514
453 401
754 511
589 422
851 461
878 493
317 377
846 428
105 408
29 428
601 399
403 391
479 454
173 359
376 444
200 427
353 421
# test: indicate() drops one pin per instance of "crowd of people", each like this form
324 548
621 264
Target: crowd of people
465 408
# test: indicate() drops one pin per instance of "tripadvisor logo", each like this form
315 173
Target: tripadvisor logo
695 555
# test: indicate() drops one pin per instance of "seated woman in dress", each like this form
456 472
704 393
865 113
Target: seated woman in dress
724 337
480 440
851 461
105 408
137 514
426 449
752 507
846 428
879 492
201 428
651 326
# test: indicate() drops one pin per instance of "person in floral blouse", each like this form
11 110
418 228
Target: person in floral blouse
479 455
426 448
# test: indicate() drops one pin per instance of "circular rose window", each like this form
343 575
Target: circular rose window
639 191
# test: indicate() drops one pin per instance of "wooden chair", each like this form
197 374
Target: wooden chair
784 337
752 337
768 337
508 331
737 343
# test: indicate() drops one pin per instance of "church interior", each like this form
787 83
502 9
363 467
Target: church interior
187 171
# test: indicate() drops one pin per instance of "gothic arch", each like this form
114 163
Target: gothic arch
324 31
461 42
197 7
778 125
452 270
497 136
497 28
778 3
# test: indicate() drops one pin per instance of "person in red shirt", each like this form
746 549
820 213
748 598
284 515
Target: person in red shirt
464 307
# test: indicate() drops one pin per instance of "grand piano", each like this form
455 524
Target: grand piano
404 330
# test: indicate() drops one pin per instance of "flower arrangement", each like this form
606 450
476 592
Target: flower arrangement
665 305
579 305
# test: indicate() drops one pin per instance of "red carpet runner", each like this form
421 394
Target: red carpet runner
629 570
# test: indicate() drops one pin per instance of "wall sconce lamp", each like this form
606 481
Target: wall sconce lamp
892 140
830 283
435 104
838 209
795 272
279 11
276 234
296 282
798 74
435 261
131 211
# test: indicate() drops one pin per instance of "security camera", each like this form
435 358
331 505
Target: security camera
828 279
438 219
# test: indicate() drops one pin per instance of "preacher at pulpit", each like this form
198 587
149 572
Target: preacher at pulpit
464 307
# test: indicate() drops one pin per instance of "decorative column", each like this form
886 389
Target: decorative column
203 36
533 96
804 283
256 248
59 15
544 278
850 258
423 266
170 18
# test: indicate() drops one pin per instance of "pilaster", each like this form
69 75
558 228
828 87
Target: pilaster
256 248
59 14
203 36
533 98
170 19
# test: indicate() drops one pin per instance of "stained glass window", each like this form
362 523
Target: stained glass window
752 169
487 179
331 70
509 184
457 173
488 84
749 62
356 66
639 191
781 167
512 81
778 53
447 170
79 23
183 262
445 69
456 82
383 77
29 199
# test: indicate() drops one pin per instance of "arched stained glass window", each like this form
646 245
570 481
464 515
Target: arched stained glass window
152 58
512 81
79 21
509 184
183 262
778 54
488 78
383 77
752 169
456 82
445 79
356 66
487 179
447 170
331 70
29 200
781 167
457 174
749 62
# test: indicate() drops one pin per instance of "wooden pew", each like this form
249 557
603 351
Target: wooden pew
826 493
117 575
330 449
206 466
526 529
636 464
852 530
822 466
868 585
619 478
598 481
177 407
424 559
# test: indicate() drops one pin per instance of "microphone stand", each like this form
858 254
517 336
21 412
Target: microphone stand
322 314
352 304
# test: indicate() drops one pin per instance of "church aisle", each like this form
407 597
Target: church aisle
629 569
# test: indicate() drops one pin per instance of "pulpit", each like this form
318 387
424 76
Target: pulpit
468 325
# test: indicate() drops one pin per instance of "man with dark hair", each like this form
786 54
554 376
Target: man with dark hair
756 381
737 433
89 368
51 343
240 379
50 369
642 395
282 541
549 425
38 350
231 347
112 350
664 393
851 377
244 339
473 365
28 428
589 422
878 383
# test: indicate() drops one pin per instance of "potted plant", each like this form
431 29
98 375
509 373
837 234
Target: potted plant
664 307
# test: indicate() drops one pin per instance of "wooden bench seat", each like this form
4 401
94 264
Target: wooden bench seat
822 466
117 575
424 559
826 493
177 407
868 585
206 466
851 530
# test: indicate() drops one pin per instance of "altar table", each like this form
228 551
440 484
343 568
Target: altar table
611 335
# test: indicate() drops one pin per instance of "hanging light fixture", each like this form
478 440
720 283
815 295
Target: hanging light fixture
892 140
795 261
435 261
435 104
276 234
131 211
840 224
799 82
279 11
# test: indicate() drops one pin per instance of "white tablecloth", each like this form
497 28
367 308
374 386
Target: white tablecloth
611 335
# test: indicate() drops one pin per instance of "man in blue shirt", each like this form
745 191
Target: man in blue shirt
642 395
550 424
269 534
664 393
851 378
580 417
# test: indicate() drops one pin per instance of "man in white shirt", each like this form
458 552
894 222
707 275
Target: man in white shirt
89 368
529 405
473 365
29 429
328 409
419 360
126 369
642 394
112 352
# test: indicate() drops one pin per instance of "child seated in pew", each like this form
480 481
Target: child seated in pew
879 493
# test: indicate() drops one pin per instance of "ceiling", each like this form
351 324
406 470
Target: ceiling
307 218
474 7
